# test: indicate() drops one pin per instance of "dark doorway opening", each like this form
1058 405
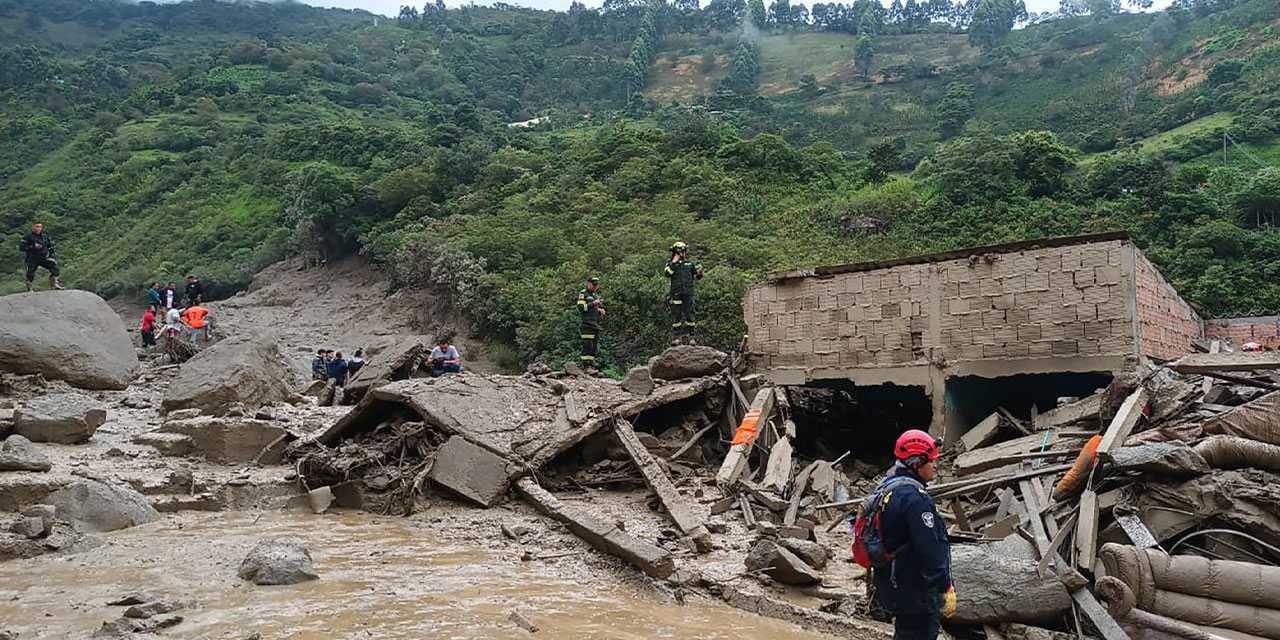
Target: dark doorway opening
835 416
971 399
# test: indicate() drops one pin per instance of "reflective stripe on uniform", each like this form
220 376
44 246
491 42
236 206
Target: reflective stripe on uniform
588 336
588 357
690 323
677 324
677 302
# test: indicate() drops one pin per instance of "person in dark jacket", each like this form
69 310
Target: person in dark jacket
338 369
169 297
195 291
356 363
916 587
37 248
319 365
682 271
590 311
153 296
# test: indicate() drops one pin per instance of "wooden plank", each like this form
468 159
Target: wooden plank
1003 527
764 497
737 393
1082 409
680 510
1248 382
747 514
722 505
1122 425
1033 510
1204 363
1006 503
1087 530
1056 543
1020 457
735 462
963 487
962 518
797 492
990 457
778 470
692 441
981 433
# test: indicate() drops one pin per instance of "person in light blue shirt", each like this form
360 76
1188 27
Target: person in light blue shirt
444 359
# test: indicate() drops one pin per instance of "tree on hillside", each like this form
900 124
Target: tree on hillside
881 159
780 12
863 52
725 15
1043 162
955 109
756 11
993 20
1258 200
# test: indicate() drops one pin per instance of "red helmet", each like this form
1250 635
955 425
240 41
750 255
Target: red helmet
916 443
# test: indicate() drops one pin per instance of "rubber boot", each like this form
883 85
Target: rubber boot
53 283
30 286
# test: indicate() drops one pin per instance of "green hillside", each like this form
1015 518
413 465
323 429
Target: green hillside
156 140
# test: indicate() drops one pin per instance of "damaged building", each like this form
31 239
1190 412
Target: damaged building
947 338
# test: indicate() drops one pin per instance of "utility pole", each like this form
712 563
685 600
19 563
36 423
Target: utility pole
1224 148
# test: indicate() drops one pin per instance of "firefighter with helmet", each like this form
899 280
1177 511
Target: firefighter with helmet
682 271
916 586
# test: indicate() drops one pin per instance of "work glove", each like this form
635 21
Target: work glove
949 602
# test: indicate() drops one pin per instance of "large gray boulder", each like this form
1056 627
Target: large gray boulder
278 562
64 418
780 564
66 335
687 361
93 506
18 454
245 370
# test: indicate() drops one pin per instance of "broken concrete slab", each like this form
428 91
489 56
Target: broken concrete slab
1199 363
778 469
677 507
64 418
397 363
1083 410
600 533
997 455
813 554
981 433
168 444
18 454
1174 458
471 471
227 440
780 564
997 588
757 417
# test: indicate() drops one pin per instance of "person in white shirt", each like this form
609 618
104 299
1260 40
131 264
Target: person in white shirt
444 359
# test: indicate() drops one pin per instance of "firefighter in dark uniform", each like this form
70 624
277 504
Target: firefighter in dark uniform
38 248
682 271
590 310
916 587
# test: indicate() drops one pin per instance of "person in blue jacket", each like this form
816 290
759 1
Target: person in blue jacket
916 587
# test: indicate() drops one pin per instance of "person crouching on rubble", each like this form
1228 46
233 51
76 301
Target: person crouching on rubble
916 586
444 359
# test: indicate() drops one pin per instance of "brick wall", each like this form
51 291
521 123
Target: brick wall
1166 323
1037 303
1263 330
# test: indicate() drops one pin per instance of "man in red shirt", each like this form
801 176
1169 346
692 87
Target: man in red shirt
149 327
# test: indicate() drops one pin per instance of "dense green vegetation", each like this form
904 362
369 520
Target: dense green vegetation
210 137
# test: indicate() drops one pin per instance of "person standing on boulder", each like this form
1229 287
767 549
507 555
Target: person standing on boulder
916 586
38 249
590 310
149 327
682 271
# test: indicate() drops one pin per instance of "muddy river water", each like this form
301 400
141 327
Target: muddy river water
379 578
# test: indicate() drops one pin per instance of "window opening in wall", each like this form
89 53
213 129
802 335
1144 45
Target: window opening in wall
835 416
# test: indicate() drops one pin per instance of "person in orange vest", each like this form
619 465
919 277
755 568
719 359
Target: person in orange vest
193 317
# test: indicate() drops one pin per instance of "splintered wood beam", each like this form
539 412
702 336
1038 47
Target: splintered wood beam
735 462
1087 530
1124 421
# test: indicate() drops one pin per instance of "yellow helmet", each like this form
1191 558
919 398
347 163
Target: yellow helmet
679 246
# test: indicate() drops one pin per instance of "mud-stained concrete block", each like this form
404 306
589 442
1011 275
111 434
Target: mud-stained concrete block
470 471
226 440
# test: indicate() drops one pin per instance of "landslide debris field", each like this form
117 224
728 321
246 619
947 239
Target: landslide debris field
226 496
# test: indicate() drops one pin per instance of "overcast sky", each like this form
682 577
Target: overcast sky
392 7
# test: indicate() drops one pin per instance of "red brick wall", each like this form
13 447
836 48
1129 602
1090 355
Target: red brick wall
1166 323
1265 330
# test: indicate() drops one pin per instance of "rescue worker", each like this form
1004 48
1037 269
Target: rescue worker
590 310
682 271
916 587
38 248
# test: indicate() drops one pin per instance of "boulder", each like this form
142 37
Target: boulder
64 418
278 562
687 361
66 335
245 370
93 506
221 440
18 454
780 564
1174 458
996 586
638 381
813 554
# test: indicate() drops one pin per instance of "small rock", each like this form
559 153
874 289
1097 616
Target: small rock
18 454
717 527
115 452
766 528
182 414
638 381
131 599
515 532
278 562
46 513
538 369
265 413
319 499
780 564
153 608
814 554
572 369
